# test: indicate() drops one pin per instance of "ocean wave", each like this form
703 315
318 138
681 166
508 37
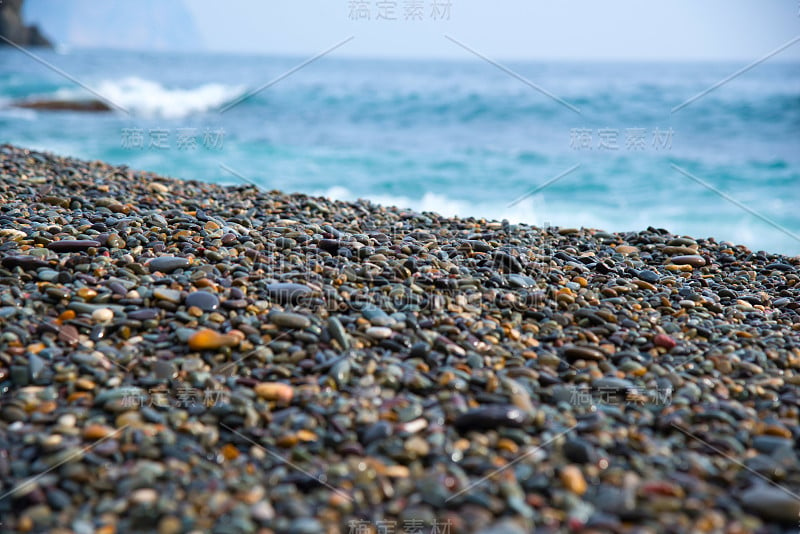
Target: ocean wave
8 111
530 210
534 210
152 99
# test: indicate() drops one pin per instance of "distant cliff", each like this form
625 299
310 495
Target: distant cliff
14 29
116 24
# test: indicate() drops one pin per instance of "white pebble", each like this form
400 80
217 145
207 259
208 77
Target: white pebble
379 332
102 315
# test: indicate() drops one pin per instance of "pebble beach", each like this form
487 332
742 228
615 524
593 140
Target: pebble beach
179 356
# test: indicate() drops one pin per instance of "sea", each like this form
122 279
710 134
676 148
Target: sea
700 149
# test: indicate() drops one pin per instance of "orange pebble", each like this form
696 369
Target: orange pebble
275 391
306 435
78 395
287 441
97 431
207 339
230 452
87 293
572 478
36 348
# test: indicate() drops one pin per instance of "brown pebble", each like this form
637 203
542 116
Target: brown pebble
663 340
626 249
170 525
68 335
693 260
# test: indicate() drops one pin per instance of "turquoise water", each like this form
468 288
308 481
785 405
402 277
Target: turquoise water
453 137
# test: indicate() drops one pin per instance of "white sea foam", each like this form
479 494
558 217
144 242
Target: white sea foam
535 211
530 210
152 99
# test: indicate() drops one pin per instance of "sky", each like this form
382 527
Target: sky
591 30
508 29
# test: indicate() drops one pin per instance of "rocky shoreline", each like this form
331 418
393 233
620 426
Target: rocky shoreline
14 29
178 356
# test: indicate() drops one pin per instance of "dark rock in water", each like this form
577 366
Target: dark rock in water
202 299
489 417
70 245
87 106
287 293
167 264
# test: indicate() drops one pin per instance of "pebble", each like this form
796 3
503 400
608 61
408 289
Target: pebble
26 263
612 383
68 334
204 300
649 276
379 332
167 264
626 249
144 497
103 315
288 293
579 451
72 245
489 417
693 260
226 359
207 339
573 480
663 340
771 503
275 391
338 332
290 320
377 316
574 352
170 295
94 432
